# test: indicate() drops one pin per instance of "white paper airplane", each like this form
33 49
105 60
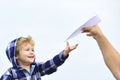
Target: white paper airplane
91 22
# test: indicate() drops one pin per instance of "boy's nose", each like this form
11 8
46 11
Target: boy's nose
31 52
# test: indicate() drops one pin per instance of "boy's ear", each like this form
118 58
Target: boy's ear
16 57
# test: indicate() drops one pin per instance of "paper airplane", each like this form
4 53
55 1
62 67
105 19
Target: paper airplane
91 22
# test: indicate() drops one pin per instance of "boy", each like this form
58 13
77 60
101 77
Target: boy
21 54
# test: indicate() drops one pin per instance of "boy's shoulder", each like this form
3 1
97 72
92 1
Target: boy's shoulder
7 74
9 71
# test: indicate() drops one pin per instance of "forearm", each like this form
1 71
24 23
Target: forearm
51 66
110 55
60 58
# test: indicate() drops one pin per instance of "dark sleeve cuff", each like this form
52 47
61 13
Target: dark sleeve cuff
62 57
59 59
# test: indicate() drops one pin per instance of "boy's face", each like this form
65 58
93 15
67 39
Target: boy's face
26 54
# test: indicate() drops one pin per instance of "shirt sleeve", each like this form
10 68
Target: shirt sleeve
50 66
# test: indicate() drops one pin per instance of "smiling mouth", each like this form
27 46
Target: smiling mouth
31 56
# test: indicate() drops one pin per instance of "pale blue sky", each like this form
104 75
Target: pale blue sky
50 22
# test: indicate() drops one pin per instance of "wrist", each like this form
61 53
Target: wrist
65 52
99 37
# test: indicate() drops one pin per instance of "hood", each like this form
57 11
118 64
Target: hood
10 52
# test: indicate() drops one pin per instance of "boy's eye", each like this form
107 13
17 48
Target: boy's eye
30 49
33 50
27 49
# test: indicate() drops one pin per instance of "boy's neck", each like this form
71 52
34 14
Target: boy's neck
25 66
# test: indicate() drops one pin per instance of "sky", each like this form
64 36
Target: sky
50 22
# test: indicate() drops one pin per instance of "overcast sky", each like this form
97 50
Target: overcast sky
50 22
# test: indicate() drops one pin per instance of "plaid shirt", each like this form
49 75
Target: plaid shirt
37 69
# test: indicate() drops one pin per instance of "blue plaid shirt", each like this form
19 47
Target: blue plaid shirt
37 69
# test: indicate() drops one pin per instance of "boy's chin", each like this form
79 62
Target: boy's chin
31 61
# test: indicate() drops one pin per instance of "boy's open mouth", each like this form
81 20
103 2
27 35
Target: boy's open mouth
31 56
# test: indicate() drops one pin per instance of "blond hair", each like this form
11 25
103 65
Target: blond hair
22 40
